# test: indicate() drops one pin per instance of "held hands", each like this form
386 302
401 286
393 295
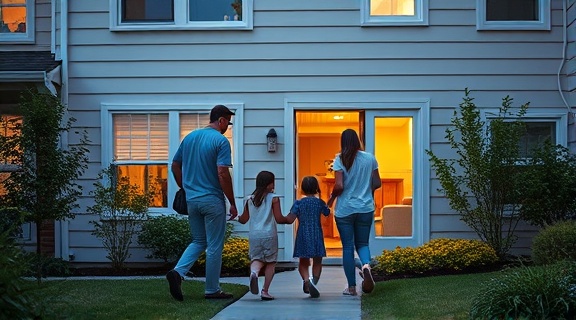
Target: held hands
331 201
233 213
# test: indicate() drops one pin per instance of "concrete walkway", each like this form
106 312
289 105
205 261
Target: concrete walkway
291 303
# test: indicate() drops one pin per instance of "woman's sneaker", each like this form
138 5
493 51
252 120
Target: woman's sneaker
368 283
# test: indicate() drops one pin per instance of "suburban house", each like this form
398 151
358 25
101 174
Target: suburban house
140 74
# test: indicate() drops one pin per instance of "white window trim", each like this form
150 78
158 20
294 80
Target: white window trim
561 120
173 110
543 22
181 20
29 36
420 17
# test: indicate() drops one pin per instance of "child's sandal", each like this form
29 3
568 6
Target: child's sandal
265 296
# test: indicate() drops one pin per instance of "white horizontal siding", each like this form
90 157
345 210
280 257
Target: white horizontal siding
303 50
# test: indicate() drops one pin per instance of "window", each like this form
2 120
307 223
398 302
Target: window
513 14
133 15
143 140
394 12
17 21
9 126
536 134
141 152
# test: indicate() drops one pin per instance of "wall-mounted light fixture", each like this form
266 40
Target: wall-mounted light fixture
272 140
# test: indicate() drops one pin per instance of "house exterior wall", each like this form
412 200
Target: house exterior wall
298 51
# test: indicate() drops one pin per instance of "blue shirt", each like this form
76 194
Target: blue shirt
357 195
201 152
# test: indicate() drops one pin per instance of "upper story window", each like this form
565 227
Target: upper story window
513 14
134 15
17 21
394 12
141 140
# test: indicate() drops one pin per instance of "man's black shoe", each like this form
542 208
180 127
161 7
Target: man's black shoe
175 282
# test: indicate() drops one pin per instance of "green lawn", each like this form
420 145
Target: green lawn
442 297
131 299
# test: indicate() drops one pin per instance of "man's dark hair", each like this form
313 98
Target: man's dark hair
219 111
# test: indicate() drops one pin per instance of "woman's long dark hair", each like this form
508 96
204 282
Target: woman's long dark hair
263 179
349 144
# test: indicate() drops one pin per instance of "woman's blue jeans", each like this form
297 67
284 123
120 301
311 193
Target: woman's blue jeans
355 234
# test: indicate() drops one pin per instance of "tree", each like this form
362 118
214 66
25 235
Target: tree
44 185
481 183
121 208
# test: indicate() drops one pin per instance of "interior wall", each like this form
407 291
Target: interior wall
393 152
313 151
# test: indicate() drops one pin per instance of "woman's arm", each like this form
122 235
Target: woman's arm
376 182
338 187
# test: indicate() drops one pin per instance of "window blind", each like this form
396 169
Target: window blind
140 136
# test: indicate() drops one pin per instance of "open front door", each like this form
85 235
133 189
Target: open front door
389 136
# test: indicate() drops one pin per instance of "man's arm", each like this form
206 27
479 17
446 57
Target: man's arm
226 184
177 172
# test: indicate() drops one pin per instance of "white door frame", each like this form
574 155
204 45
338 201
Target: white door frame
419 107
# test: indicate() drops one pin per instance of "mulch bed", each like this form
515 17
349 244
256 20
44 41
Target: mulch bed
95 271
160 270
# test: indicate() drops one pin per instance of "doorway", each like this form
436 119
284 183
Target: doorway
317 143
390 140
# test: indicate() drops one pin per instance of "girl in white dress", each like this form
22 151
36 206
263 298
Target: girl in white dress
262 209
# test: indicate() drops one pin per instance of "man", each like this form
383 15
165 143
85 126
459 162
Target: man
201 166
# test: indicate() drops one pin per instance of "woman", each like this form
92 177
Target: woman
356 178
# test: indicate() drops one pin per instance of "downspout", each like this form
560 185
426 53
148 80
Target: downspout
63 224
564 44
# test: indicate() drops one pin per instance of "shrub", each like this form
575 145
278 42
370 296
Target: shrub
549 188
165 236
555 243
16 302
235 255
480 181
168 236
50 266
528 293
121 207
437 255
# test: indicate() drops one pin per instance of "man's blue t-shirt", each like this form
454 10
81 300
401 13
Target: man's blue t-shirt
201 152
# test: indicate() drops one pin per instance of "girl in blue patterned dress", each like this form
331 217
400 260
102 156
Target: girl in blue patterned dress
309 243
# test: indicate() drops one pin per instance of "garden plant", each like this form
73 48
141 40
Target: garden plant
480 181
121 208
